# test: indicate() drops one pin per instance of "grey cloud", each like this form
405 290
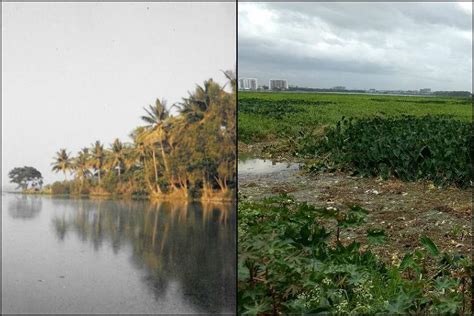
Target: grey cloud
261 53
382 45
376 16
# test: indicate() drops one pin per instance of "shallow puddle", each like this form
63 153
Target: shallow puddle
256 166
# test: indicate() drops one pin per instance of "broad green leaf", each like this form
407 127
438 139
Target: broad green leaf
430 245
376 236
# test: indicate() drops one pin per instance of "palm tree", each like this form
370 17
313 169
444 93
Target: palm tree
155 132
156 114
62 162
117 156
195 107
81 165
139 153
98 157
230 75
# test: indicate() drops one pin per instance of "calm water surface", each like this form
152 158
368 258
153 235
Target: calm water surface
84 256
257 166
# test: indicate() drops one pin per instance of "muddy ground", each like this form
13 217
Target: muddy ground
405 210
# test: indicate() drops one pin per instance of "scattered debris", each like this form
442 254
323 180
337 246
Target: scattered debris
405 209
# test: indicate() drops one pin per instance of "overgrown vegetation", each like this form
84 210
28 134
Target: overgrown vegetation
409 148
278 116
188 155
291 260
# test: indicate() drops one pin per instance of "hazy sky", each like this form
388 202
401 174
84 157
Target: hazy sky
74 73
358 45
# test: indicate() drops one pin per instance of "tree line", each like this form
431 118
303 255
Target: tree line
189 155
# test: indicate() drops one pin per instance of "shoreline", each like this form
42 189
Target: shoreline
111 196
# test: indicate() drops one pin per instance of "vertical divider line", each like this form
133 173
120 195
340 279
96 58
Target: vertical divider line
236 154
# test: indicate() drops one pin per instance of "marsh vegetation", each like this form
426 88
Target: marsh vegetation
377 219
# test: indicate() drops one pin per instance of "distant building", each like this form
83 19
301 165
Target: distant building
425 91
278 84
248 84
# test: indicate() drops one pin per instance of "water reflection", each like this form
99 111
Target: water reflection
24 207
190 244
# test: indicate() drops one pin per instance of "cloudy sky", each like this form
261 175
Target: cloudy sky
74 73
358 45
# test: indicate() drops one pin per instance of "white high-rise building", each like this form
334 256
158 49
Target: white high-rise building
278 84
425 91
248 84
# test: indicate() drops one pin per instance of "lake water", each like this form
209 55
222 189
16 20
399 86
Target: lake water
102 256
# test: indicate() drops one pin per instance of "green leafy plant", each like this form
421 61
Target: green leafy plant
288 264
410 148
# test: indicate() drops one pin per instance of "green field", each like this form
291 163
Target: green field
272 116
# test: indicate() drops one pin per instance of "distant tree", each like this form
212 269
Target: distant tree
116 157
155 133
453 93
230 75
98 158
62 162
81 165
25 177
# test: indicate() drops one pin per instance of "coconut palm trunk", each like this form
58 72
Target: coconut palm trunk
165 162
155 168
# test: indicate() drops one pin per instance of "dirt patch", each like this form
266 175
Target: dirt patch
405 210
274 150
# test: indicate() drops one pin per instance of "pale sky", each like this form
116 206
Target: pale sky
381 45
74 73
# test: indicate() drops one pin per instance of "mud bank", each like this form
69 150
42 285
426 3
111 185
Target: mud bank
405 210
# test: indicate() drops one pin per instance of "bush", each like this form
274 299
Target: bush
60 187
110 182
411 148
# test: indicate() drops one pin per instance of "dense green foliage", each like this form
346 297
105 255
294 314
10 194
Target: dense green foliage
410 148
64 187
281 115
188 155
25 177
288 264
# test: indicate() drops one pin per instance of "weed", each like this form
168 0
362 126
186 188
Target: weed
287 265
410 148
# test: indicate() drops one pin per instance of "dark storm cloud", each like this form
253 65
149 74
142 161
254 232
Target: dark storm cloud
360 45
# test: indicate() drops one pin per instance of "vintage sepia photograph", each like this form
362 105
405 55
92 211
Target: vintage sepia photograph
118 158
